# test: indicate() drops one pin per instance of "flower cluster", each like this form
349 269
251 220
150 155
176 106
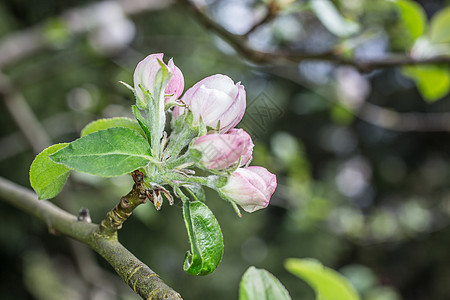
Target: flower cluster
203 134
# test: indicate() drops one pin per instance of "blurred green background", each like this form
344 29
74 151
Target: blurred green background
365 197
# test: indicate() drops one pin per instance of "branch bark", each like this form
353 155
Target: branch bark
241 45
135 273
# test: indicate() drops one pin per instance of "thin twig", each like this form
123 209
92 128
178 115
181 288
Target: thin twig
280 57
271 13
135 273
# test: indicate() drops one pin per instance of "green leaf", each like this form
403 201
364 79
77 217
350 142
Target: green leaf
259 284
330 17
328 284
205 237
142 122
107 153
413 17
440 26
103 124
433 82
47 177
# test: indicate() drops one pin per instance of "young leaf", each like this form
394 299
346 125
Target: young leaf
440 26
433 82
330 17
328 284
47 177
259 284
142 122
205 237
108 153
103 124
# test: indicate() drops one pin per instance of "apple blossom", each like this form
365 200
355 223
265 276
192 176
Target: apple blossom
145 73
215 99
250 188
220 151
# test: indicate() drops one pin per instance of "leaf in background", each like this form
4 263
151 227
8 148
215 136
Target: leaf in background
259 284
142 122
413 17
47 177
328 284
330 17
107 153
103 124
433 82
440 26
205 237
341 114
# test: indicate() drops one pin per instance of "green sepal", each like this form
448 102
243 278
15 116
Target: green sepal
143 103
142 122
328 284
205 237
128 86
259 284
102 124
181 136
47 178
195 154
108 153
183 120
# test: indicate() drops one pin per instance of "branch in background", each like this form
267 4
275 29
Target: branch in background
373 114
23 116
271 13
376 115
389 119
240 44
135 273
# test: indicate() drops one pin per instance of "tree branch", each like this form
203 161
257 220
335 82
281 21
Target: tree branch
135 273
271 13
241 45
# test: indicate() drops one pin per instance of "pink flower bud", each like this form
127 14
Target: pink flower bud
145 73
223 150
176 83
250 187
215 99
